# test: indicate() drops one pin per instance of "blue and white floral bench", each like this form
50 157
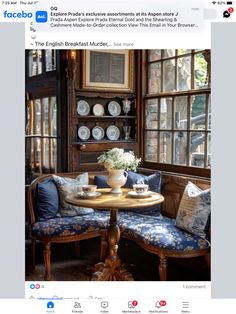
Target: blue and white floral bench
157 234
160 236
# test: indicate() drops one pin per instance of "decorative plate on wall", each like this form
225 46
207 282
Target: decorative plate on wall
113 133
83 108
84 133
98 110
114 108
98 133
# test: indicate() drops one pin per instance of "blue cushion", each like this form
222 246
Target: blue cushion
101 182
154 182
159 232
47 199
65 226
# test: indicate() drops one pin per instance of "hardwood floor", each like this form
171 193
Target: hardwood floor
66 266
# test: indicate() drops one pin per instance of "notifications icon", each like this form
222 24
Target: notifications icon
160 304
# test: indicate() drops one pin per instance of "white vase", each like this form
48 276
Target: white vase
116 179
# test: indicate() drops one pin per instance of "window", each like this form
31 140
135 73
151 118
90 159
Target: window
41 135
177 111
41 61
41 112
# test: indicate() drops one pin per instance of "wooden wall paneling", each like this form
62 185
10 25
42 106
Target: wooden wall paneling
62 115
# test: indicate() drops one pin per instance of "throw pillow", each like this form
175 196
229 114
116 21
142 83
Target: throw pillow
47 200
194 210
66 186
154 182
101 182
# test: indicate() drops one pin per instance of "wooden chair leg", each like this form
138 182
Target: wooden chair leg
104 246
33 248
47 261
208 260
77 249
163 268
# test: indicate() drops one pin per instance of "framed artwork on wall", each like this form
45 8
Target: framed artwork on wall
108 70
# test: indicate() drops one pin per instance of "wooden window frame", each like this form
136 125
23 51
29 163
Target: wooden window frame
183 169
44 72
41 168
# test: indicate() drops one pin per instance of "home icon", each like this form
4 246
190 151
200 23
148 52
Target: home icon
50 305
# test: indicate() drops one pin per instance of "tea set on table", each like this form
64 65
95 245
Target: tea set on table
140 190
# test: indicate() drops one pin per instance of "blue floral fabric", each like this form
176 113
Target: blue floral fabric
160 232
65 226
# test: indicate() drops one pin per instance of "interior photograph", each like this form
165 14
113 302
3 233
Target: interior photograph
118 165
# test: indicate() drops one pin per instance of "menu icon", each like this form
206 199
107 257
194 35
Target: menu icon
185 305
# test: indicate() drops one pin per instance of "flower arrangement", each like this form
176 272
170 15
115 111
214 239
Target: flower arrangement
117 158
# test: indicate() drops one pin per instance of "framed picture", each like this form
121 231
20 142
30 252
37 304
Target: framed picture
108 70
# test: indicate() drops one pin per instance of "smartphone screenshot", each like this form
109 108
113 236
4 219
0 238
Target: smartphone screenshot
117 129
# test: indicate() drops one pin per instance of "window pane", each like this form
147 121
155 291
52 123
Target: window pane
181 112
152 114
198 109
180 148
35 62
54 156
46 117
28 120
169 75
32 161
200 71
37 117
209 112
151 140
37 155
169 53
50 56
209 151
54 115
184 73
183 51
165 147
197 141
154 55
46 155
154 78
166 113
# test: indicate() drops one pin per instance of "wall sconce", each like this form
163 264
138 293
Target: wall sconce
71 64
73 54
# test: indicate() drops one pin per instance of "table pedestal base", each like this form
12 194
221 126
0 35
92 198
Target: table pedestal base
111 271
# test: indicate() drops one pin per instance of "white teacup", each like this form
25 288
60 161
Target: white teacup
89 189
140 188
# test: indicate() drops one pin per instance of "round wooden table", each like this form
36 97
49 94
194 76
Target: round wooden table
112 269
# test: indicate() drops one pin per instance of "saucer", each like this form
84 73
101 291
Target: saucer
140 195
90 195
